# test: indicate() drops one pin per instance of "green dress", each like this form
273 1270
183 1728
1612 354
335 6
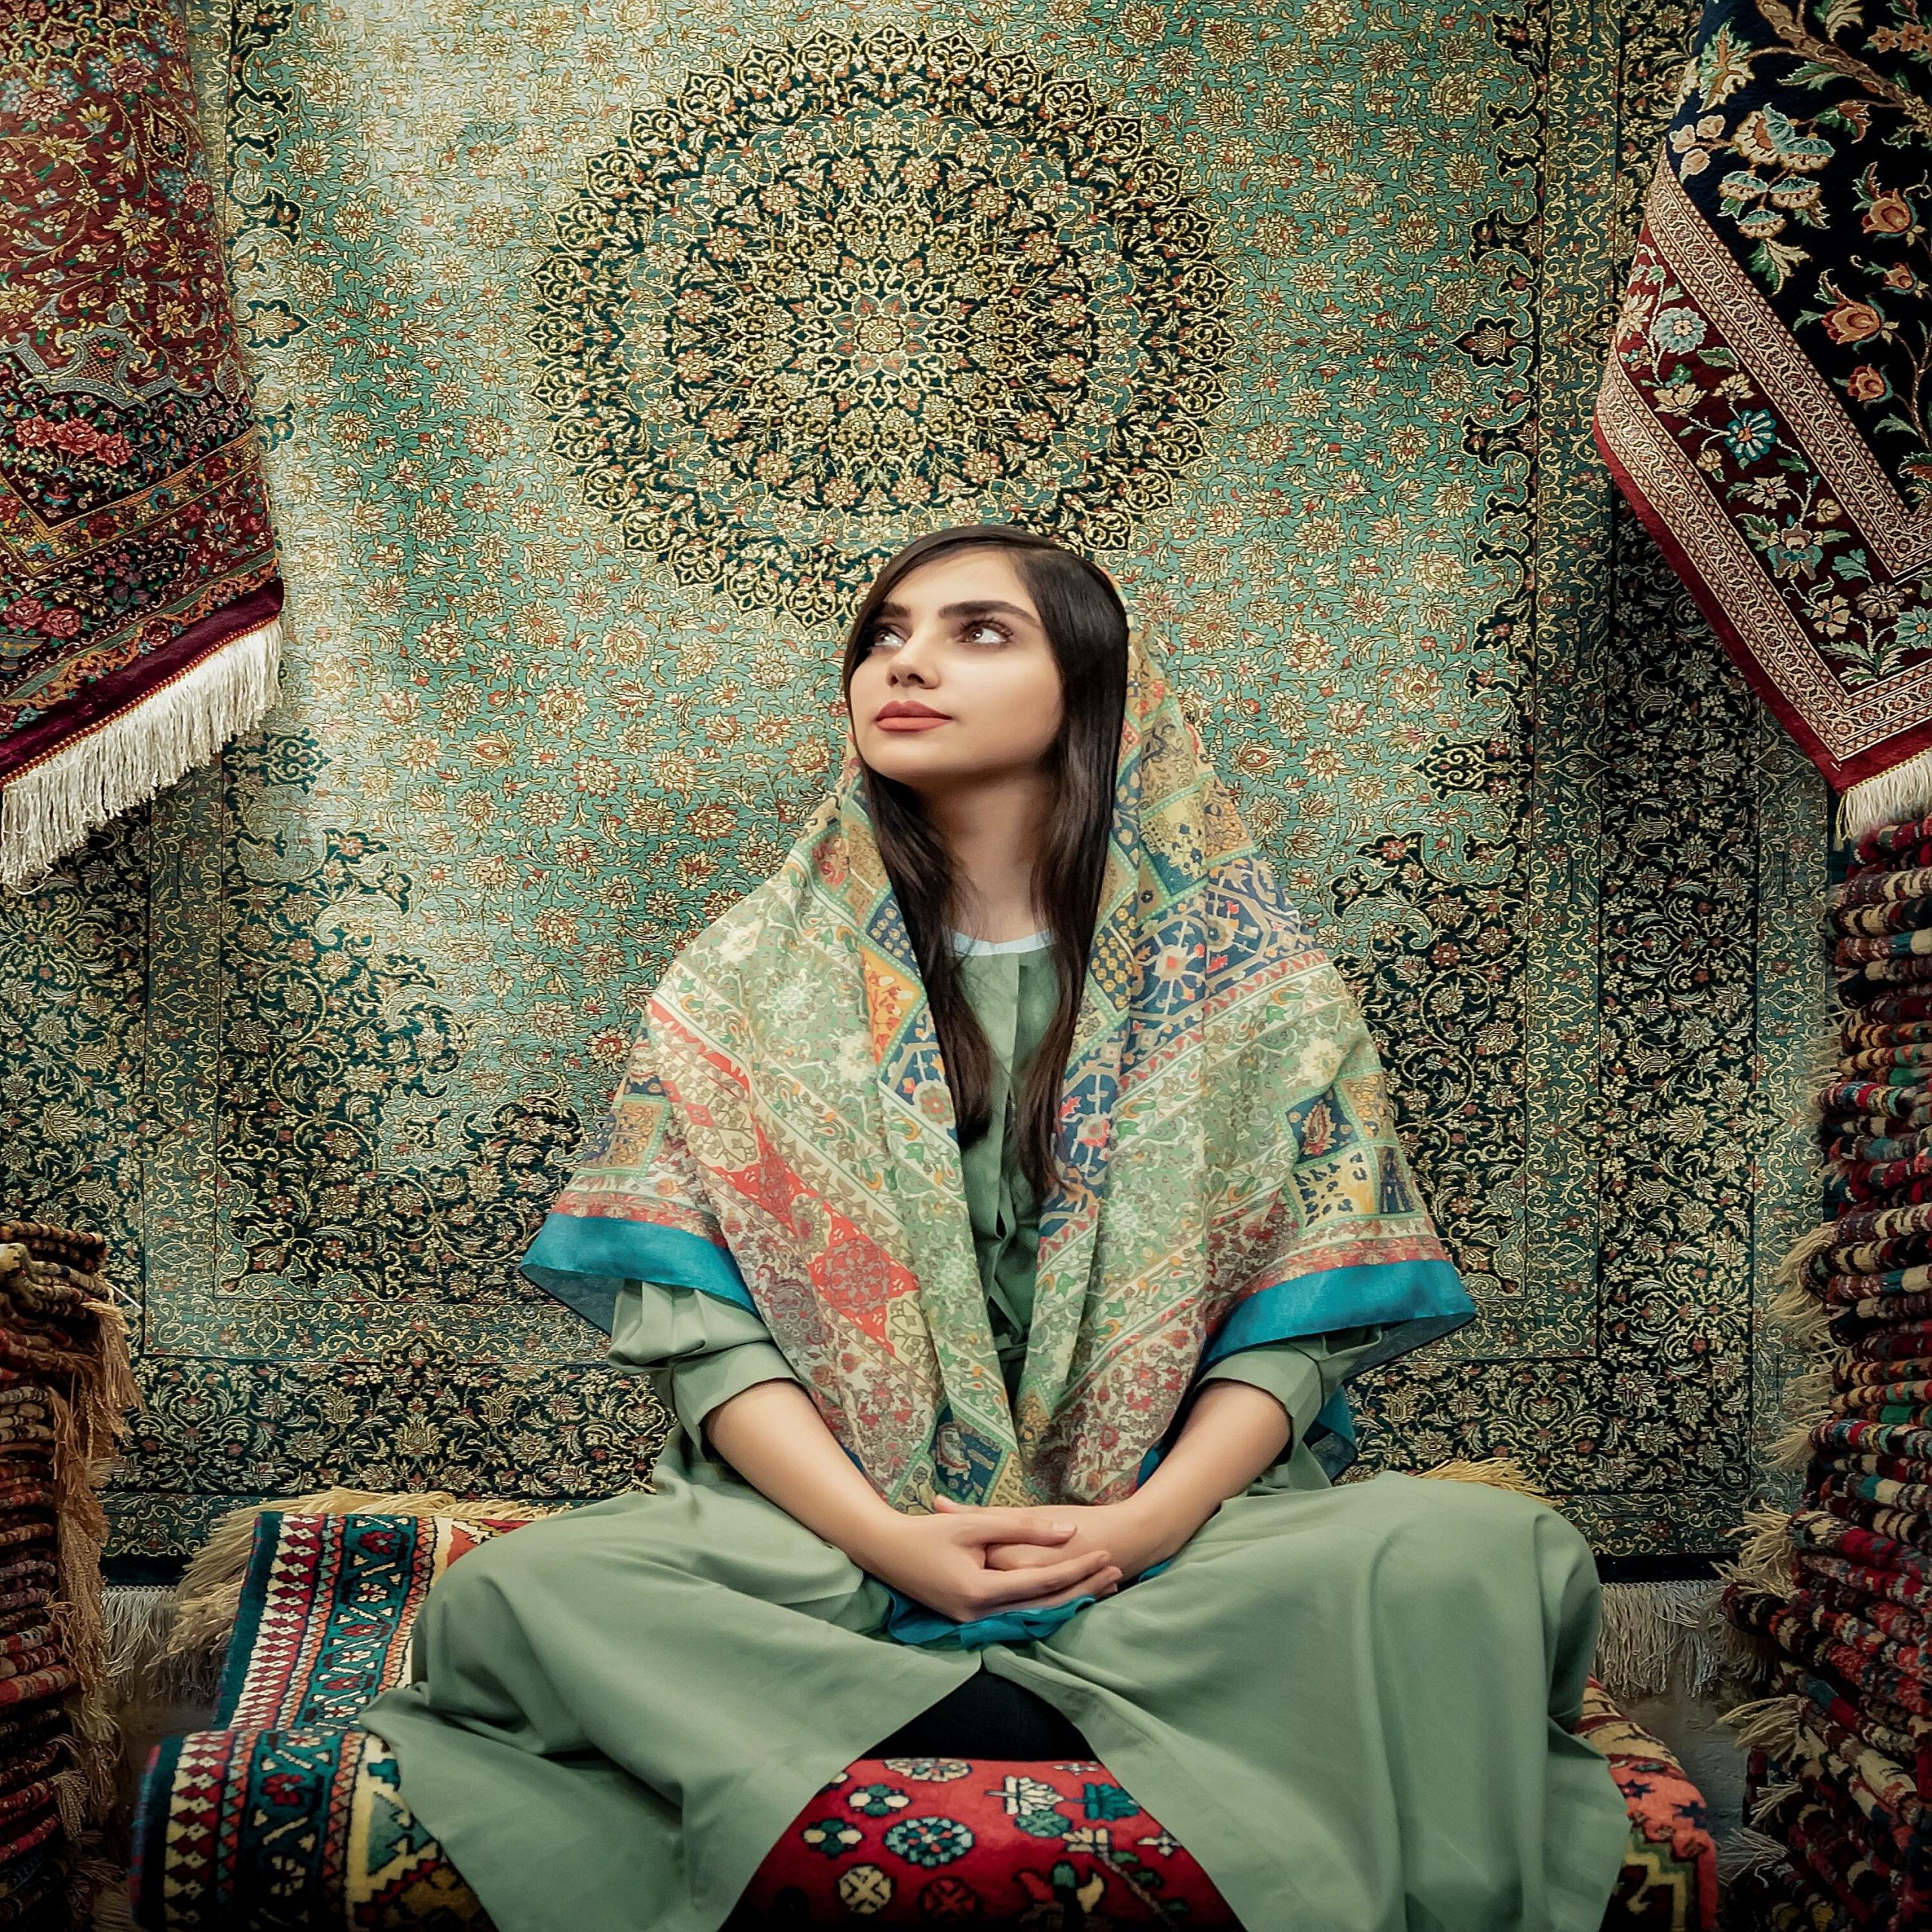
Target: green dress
1352 1704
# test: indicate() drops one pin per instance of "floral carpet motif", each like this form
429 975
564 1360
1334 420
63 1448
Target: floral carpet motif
1767 403
846 282
1311 312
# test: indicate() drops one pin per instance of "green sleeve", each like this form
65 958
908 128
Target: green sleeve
696 1350
1301 1375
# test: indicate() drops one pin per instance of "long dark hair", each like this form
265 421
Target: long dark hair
1087 627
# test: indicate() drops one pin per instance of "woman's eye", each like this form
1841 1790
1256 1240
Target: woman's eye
999 630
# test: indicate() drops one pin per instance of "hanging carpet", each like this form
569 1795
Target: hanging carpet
139 591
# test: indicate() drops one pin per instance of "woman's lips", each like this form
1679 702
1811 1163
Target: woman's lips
904 724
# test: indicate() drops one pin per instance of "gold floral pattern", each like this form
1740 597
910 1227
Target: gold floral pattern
846 282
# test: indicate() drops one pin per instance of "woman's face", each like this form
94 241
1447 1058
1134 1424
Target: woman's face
959 636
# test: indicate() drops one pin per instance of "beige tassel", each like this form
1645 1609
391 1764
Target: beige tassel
1765 1561
1792 1270
1746 1852
1658 1638
1770 1797
1894 796
1792 1448
1807 1395
49 809
140 1620
1804 1321
1770 1724
1497 1472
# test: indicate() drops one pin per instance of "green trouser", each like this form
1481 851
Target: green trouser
1352 1705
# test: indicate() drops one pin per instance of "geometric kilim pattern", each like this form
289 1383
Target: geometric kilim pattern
285 1818
326 1612
599 353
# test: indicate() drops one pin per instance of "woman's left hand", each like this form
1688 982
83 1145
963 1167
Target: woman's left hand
1136 1536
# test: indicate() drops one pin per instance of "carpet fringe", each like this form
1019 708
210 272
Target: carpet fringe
1791 1271
1807 1402
1770 1724
140 1620
113 1911
1791 1448
1807 1395
47 810
1497 1472
209 1595
1824 1063
1769 1799
87 1429
1903 792
1804 1320
1659 1637
1764 1561
1746 1852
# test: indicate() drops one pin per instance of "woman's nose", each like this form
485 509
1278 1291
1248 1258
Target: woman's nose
909 659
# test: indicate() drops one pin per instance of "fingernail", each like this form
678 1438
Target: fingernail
1062 1529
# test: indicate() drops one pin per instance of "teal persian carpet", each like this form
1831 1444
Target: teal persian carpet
601 351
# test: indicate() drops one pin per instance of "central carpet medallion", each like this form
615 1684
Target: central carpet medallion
846 280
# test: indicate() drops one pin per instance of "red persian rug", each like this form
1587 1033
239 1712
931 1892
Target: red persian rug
138 581
286 1817
1767 405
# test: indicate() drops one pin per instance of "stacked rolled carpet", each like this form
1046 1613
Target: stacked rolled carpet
65 1385
1838 1595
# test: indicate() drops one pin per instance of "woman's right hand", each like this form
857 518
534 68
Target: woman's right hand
941 1562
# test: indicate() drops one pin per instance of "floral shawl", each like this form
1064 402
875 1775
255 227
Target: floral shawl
783 1137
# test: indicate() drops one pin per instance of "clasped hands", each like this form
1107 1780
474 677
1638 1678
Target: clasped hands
968 1561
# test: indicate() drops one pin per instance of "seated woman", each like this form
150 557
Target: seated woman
1001 1194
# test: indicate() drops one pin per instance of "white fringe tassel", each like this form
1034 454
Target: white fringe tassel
1746 1851
1903 792
1655 1638
47 812
140 1620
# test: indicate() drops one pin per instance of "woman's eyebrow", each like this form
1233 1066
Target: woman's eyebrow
895 613
986 605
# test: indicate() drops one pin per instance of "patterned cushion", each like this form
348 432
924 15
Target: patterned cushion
287 1817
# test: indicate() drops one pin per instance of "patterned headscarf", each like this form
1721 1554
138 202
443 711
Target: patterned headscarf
784 1137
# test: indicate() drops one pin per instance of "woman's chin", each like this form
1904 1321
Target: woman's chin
907 759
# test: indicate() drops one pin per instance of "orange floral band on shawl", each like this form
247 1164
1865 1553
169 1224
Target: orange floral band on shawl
783 1137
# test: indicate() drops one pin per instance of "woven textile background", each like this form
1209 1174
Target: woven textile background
601 347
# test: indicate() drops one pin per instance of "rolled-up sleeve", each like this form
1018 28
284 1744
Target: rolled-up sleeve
697 1350
1301 1375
